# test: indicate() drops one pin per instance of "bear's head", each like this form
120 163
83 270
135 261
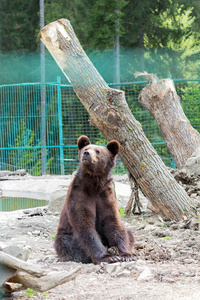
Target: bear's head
94 159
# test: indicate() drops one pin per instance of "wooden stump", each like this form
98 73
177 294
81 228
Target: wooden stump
163 103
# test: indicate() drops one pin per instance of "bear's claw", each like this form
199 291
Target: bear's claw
118 258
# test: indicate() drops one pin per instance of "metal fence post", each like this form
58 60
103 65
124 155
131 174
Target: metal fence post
43 95
60 125
43 129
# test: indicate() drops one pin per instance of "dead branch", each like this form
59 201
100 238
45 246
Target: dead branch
47 282
18 264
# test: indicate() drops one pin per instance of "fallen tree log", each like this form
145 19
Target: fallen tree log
33 277
163 103
47 282
110 113
18 264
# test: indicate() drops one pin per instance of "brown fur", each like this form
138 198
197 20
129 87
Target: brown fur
90 222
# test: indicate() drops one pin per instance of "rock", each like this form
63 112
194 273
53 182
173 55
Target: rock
160 232
189 261
20 172
57 199
174 226
183 252
194 195
140 245
140 268
128 265
36 232
124 273
17 252
175 273
38 211
56 213
168 280
2 245
146 275
51 258
141 227
149 227
112 268
5 173
140 262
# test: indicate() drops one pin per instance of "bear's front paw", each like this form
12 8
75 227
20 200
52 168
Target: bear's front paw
110 259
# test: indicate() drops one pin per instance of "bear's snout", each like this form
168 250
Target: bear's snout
88 156
86 153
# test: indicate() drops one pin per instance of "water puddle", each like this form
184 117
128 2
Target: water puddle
15 203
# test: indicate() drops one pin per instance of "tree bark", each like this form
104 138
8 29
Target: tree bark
109 112
163 103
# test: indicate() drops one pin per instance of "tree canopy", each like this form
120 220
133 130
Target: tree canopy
155 36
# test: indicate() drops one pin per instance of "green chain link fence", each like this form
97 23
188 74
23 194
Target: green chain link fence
43 139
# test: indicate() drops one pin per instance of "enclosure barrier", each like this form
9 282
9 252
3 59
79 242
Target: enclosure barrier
44 140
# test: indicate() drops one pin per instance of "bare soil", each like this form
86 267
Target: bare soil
168 255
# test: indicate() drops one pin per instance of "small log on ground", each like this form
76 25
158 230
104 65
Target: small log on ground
110 113
32 276
47 282
163 103
18 264
13 250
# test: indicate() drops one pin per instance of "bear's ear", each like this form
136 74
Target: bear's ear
83 141
113 147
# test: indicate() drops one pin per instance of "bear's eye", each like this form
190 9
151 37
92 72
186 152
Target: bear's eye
97 151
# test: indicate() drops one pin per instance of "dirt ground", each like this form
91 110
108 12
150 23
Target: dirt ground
168 255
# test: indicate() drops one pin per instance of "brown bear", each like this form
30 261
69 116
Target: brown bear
90 222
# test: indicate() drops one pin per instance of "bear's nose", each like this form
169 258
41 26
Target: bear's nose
86 153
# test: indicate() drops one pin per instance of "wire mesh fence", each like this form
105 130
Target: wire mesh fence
43 139
20 127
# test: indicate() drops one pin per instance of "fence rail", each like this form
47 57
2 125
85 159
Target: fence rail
44 140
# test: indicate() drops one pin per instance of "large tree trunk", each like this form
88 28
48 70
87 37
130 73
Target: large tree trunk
109 112
163 103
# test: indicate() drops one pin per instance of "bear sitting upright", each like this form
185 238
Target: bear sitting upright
90 222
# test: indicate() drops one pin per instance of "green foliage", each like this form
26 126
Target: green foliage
45 294
159 37
95 22
30 293
119 168
30 159
19 20
165 238
101 140
190 102
122 211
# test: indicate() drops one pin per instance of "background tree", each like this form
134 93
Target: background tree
18 22
158 36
